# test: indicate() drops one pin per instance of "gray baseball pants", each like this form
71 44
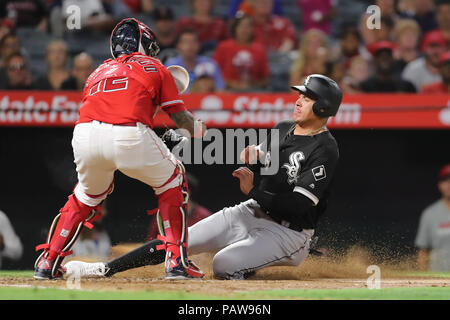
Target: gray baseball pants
245 241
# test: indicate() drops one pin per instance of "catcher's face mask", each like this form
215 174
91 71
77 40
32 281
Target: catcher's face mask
130 35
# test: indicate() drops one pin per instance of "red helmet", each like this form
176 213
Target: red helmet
130 35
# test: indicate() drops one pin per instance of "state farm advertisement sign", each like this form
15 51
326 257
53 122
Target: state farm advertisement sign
39 108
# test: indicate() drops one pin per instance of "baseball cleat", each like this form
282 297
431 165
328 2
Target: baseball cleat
43 270
85 270
175 270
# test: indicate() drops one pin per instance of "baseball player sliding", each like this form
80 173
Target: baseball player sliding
274 227
114 132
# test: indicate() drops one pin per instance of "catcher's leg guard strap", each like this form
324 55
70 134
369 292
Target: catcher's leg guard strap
66 227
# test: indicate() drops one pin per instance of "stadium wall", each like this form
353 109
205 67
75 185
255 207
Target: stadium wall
385 178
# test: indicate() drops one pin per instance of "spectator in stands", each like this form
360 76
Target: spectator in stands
8 45
357 72
424 70
384 33
83 66
95 15
423 11
388 8
26 13
188 47
10 244
210 29
317 14
164 23
57 71
276 33
246 7
146 6
313 54
196 212
120 9
406 8
441 87
385 79
204 79
18 76
432 237
348 46
388 20
243 61
6 27
406 36
443 18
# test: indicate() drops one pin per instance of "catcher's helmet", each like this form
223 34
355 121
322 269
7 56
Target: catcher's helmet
325 91
130 35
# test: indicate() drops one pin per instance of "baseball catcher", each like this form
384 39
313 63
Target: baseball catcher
114 132
274 227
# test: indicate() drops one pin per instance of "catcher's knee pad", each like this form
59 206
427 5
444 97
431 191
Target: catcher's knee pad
92 199
66 228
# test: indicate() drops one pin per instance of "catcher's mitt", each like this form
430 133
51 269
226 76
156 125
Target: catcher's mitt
174 141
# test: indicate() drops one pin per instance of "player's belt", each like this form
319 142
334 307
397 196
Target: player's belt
264 214
125 124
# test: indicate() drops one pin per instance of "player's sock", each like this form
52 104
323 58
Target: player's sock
145 255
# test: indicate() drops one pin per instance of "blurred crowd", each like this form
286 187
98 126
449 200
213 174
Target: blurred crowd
236 45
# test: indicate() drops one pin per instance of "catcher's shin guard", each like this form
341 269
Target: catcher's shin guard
65 229
171 217
173 232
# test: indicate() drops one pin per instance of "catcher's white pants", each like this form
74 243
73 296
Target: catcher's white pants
247 243
101 148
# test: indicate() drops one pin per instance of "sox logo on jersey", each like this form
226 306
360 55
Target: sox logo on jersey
293 167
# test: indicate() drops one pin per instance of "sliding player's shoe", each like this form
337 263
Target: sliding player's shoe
85 270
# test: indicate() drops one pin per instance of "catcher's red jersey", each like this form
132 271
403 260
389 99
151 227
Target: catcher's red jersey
129 89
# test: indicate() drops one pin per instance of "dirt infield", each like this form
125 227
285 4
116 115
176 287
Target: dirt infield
348 271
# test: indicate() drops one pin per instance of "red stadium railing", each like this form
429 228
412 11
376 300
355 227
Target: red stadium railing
249 110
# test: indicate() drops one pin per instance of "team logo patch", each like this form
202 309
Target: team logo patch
308 78
293 167
166 224
319 173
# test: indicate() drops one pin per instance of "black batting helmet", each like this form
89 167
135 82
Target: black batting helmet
130 35
325 91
